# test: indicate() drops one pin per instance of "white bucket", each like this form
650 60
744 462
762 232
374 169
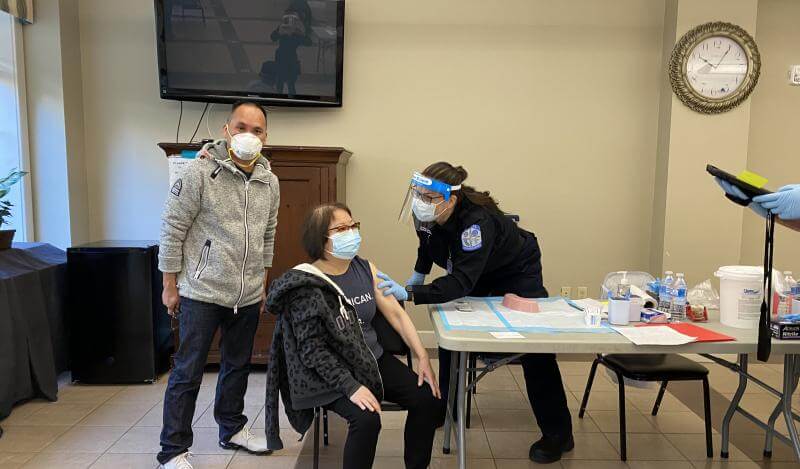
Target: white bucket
740 295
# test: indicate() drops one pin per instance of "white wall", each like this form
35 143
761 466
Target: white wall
774 138
552 106
694 240
55 115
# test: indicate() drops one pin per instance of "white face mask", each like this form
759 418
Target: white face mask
246 146
424 211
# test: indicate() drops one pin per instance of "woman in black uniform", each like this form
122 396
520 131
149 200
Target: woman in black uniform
485 253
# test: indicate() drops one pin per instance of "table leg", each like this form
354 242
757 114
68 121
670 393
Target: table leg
462 417
451 399
737 398
778 410
790 372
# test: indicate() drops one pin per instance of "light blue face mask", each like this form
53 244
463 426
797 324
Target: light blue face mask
345 244
424 211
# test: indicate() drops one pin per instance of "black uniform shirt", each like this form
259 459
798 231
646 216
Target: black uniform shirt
485 253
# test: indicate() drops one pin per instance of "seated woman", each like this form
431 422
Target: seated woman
325 352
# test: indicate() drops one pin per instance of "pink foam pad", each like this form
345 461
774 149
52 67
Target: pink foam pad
517 303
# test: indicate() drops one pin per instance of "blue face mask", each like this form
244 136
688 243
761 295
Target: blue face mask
346 244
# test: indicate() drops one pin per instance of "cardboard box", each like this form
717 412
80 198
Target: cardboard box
785 330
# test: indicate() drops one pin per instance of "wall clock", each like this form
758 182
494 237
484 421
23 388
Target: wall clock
714 67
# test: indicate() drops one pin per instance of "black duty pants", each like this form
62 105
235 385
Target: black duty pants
543 385
542 377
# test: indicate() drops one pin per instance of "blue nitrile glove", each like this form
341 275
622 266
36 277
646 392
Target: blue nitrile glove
416 279
390 287
734 191
785 203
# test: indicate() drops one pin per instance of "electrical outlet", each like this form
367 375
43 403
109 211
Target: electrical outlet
794 75
583 292
566 292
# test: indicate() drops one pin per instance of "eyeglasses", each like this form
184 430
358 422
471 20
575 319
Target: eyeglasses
427 198
342 228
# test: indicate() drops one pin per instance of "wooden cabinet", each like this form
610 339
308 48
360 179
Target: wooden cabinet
308 176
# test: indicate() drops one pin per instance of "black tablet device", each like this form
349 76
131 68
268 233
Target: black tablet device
748 189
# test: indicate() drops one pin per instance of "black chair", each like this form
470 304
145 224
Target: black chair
392 344
651 367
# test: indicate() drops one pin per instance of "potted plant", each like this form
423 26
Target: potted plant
7 236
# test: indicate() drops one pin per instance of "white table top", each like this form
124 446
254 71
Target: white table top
472 341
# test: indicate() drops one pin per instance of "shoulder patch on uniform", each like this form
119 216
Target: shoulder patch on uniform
176 188
471 238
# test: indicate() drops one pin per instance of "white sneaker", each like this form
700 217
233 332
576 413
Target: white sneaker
247 441
180 461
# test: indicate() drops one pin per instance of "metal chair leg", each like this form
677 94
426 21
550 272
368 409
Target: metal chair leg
660 396
325 427
469 409
316 438
473 363
588 388
623 439
707 411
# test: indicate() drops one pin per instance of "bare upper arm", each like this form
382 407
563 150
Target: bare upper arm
387 305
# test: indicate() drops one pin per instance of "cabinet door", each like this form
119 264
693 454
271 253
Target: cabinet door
301 190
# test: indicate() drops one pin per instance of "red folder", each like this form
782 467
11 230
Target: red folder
701 334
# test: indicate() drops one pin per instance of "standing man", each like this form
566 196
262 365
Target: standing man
217 240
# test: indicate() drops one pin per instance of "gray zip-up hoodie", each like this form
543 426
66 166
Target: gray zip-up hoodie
218 229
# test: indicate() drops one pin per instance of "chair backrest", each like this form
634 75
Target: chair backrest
389 339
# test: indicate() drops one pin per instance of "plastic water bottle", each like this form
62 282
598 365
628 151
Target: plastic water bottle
665 292
624 289
679 299
790 291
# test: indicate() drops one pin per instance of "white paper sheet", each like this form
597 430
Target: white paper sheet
556 305
480 316
582 304
654 335
557 314
551 320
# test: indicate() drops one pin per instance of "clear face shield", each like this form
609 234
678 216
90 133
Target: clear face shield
425 200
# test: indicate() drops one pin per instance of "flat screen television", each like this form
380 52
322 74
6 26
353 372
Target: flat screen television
276 52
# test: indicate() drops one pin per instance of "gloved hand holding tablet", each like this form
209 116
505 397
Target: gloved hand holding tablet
738 190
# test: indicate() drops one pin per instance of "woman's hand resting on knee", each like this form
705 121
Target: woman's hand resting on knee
426 375
364 399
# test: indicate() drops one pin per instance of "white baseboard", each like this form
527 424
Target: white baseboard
428 339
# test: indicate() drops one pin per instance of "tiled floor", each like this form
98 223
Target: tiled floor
118 427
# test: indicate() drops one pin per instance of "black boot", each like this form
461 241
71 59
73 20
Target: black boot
549 450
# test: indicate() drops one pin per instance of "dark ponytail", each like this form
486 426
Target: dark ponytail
455 175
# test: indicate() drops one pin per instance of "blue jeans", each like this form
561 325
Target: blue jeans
198 323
